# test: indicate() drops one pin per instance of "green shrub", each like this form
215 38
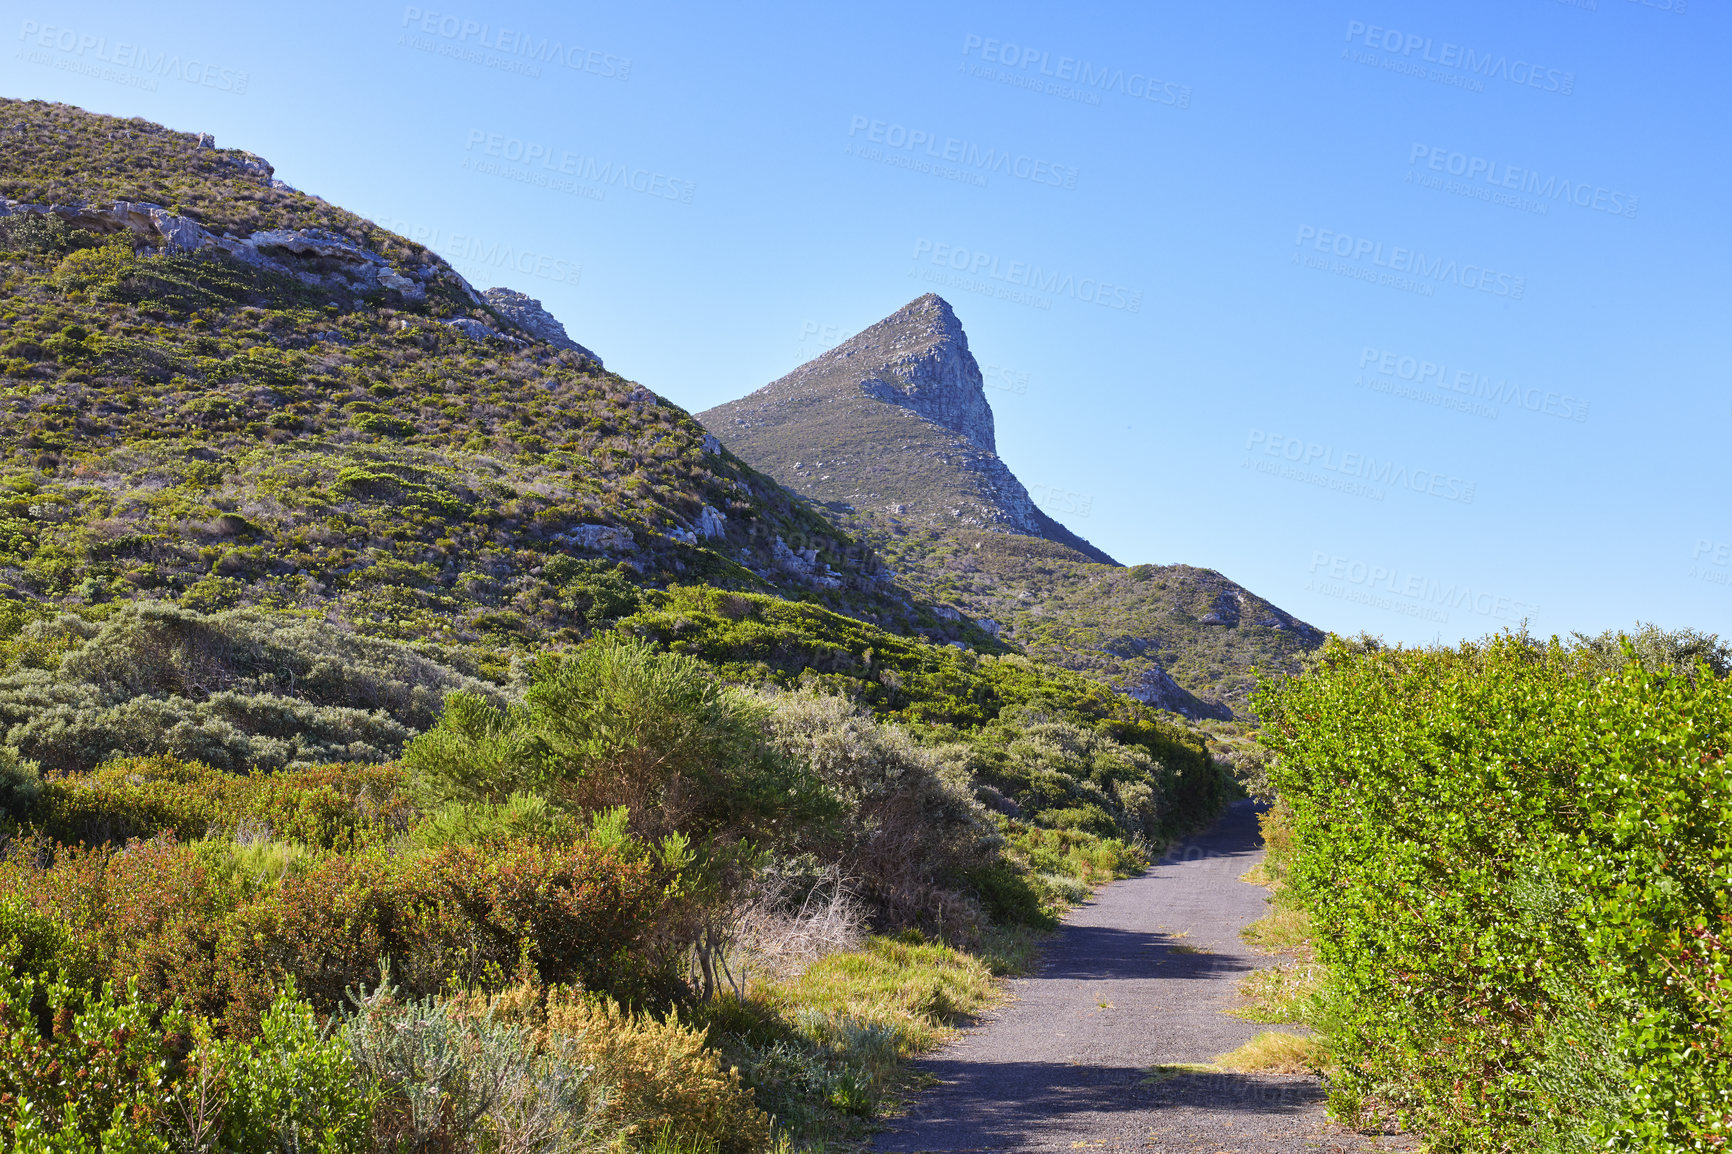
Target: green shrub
521 816
619 723
1515 870
912 831
291 1087
110 1072
20 784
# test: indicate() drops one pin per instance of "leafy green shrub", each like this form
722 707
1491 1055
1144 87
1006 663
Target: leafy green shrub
32 942
619 723
1515 869
112 1072
520 816
291 1087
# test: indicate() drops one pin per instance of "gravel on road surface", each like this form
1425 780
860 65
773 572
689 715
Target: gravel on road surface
1139 977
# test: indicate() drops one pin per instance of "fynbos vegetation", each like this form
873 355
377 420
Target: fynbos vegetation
414 737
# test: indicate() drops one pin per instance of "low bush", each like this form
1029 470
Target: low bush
324 806
236 690
664 1083
193 925
912 831
447 1079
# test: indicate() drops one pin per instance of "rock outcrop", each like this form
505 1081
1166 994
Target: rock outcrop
313 256
894 417
527 314
1153 686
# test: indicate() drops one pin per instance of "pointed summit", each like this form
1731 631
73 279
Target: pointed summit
926 367
894 420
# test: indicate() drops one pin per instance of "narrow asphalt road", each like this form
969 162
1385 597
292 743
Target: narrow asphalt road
1138 977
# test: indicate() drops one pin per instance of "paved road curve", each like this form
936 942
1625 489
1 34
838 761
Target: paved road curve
1063 1065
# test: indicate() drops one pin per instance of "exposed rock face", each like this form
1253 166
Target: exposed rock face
527 314
603 538
924 364
711 522
1154 687
803 565
472 328
898 413
313 256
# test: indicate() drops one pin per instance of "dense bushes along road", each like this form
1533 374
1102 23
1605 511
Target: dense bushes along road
1517 862
556 923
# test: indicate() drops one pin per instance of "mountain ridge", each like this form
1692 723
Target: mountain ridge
913 381
892 432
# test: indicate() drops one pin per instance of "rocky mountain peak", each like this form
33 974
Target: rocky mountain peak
918 357
894 418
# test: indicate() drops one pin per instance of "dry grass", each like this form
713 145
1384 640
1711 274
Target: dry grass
1281 994
1159 1074
915 988
1284 929
778 939
1273 1052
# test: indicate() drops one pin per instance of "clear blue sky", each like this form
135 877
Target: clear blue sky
1411 317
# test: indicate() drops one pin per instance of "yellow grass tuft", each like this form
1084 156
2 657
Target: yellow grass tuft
1273 1052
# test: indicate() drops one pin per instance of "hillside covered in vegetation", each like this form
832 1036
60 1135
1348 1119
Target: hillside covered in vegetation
414 736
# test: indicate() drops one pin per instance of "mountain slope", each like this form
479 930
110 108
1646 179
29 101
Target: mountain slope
894 419
892 431
239 425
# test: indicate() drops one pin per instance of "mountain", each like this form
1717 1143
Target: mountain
244 427
895 420
252 395
891 430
